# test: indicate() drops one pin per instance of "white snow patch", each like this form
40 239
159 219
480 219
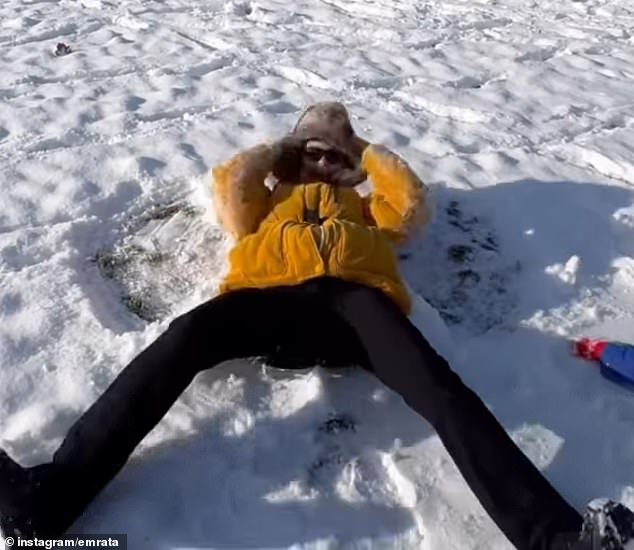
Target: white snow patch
131 22
294 394
94 4
566 272
539 444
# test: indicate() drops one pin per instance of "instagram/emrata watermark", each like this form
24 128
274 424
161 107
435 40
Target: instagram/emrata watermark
70 541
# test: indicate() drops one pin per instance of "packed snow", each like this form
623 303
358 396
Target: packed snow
519 115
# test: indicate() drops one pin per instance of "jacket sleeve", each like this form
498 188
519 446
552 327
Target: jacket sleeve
400 202
241 199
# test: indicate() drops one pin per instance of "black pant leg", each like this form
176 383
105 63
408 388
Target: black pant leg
518 498
277 322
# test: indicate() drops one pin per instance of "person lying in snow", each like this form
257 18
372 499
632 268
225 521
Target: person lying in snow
313 280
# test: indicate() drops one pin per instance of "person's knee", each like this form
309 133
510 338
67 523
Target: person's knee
360 302
425 380
184 323
209 315
194 324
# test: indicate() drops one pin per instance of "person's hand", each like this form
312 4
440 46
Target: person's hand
348 177
287 162
287 158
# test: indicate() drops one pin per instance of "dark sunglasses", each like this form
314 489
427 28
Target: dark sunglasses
331 156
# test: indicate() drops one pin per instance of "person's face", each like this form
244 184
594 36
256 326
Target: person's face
321 162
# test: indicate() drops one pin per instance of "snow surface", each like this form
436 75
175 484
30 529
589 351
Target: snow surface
519 114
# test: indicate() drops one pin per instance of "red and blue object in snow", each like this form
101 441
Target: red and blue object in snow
616 360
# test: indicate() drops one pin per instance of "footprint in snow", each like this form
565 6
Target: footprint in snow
241 9
539 54
354 475
460 269
333 453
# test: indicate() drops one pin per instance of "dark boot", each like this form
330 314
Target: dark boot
30 503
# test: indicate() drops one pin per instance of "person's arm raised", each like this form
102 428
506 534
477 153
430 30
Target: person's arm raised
399 202
241 198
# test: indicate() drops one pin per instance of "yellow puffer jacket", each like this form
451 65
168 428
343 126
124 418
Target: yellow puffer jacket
298 232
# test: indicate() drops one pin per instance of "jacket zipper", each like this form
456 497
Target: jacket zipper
321 241
311 216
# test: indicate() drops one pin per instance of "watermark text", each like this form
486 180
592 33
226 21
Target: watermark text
69 541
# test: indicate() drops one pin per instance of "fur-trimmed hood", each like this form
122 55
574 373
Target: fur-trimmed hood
329 122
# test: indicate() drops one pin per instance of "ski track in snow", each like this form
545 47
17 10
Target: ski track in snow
518 114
